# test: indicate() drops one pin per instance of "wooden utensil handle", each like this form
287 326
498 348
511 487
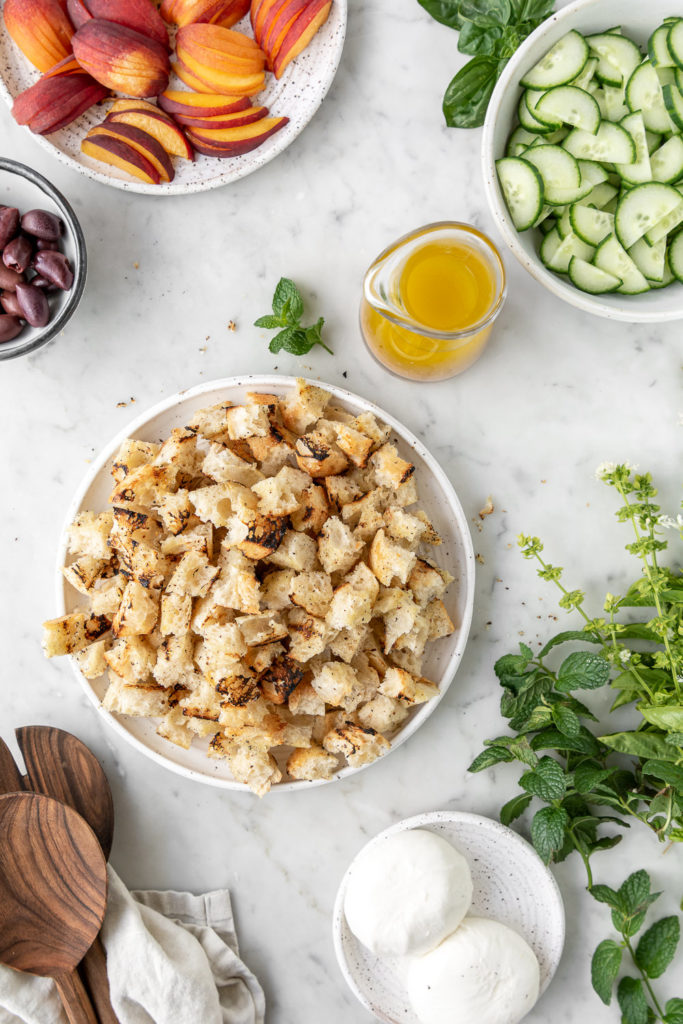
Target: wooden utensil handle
75 1000
93 968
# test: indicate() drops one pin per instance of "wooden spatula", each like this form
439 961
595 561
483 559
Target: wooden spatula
10 776
53 894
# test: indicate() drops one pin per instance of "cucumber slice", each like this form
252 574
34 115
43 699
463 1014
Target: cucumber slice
615 102
558 169
519 140
563 62
668 278
644 93
649 258
568 105
600 196
611 257
658 48
564 224
641 208
592 172
528 121
665 225
675 42
583 80
654 141
618 57
611 206
667 161
590 278
601 100
678 78
676 256
549 246
568 247
522 188
638 171
532 98
673 100
589 224
611 143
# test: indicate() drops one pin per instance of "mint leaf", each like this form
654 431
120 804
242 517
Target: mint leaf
635 892
489 757
582 671
565 636
588 776
288 308
283 340
287 302
566 721
511 665
547 780
513 808
547 831
657 947
603 894
605 967
632 1001
270 322
674 1012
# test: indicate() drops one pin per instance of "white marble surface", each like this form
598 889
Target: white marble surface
556 393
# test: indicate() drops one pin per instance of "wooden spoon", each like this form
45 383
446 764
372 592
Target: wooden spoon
10 776
53 894
61 766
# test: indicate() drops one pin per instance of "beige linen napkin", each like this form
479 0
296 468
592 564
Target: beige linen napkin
172 958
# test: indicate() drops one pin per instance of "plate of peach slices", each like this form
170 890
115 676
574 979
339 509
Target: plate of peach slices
173 98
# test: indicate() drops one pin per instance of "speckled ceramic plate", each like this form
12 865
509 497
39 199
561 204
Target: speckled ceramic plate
297 95
437 497
511 885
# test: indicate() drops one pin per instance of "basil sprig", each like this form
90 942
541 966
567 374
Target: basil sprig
490 31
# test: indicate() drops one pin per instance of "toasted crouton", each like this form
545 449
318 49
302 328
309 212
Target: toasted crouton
416 639
406 494
312 591
173 727
218 653
258 659
105 596
195 538
341 490
211 421
368 424
281 494
356 446
297 551
173 660
137 614
313 510
89 534
338 549
146 700
237 586
176 511
311 764
217 503
390 469
404 527
68 634
266 628
249 762
399 612
180 454
439 622
247 421
131 454
308 635
278 681
358 745
84 572
223 465
348 642
131 658
403 686
430 536
382 713
368 507
263 535
427 582
337 684
304 405
303 700
143 486
193 575
275 589
91 661
406 659
390 560
318 456
353 601
238 690
176 611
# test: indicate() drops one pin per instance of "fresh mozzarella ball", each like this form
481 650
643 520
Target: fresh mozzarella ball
406 893
484 973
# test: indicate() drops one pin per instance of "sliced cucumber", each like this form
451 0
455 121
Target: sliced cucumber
528 121
611 143
676 256
584 79
522 188
667 161
531 98
618 57
519 140
568 105
654 141
562 63
662 228
673 100
641 208
568 247
611 257
589 224
601 195
590 278
668 278
675 42
644 93
601 100
549 246
564 224
649 258
592 172
559 171
638 171
615 102
658 48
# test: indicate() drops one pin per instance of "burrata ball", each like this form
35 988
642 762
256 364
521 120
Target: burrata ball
484 973
406 893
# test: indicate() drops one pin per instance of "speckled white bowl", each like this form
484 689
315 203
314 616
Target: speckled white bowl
437 497
511 885
639 20
297 95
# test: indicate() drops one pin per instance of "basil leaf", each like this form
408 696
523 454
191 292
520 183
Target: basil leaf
669 718
671 774
476 39
641 744
287 302
605 967
444 11
467 96
486 12
532 10
657 947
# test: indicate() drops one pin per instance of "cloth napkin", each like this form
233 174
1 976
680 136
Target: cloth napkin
172 958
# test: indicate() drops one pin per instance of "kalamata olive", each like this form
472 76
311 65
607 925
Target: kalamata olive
17 254
10 304
46 243
9 224
55 267
42 282
10 326
33 304
42 224
9 279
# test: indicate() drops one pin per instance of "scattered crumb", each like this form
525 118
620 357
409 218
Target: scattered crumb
207 337
544 481
232 326
487 509
344 373
132 399
203 348
136 265
479 558
121 405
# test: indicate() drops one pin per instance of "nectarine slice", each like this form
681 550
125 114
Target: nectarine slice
143 142
119 154
160 127
140 15
278 24
262 13
227 83
121 58
216 12
225 63
41 30
78 12
300 34
68 66
119 105
233 120
53 102
233 141
198 104
217 38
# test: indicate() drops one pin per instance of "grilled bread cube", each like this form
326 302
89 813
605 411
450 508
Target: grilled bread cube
308 635
312 591
297 551
224 466
355 445
176 612
181 455
237 586
278 681
402 526
246 421
348 642
302 407
353 601
337 684
131 455
217 503
195 538
275 590
91 661
106 595
258 659
390 469
341 490
193 575
367 506
133 659
439 622
318 456
430 536
219 651
407 660
427 582
383 714
84 572
280 495
138 612
70 633
399 612
404 686
367 423
174 662
389 560
173 727
303 700
238 690
262 535
313 510
176 511
89 534
312 763
145 700
211 421
249 762
359 745
338 549
266 628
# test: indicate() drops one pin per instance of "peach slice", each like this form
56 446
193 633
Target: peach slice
228 83
119 105
68 66
140 15
300 34
217 38
185 75
259 16
41 30
198 104
278 23
78 12
225 142
142 142
118 153
215 12
121 58
55 101
233 120
225 63
160 127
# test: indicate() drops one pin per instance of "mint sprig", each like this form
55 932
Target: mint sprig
288 308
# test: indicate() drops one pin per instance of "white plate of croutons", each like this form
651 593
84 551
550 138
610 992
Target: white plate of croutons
264 583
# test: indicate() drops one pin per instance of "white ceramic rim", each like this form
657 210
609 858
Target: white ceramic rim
267 381
507 835
260 156
566 292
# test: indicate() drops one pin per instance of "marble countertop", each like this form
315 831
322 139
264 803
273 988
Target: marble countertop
556 393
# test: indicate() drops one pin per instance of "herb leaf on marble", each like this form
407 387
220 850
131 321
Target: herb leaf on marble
288 308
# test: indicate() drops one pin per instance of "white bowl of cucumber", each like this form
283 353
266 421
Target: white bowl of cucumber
582 155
